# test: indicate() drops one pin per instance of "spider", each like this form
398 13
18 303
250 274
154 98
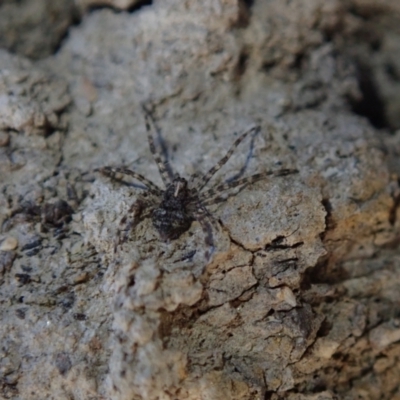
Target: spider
173 209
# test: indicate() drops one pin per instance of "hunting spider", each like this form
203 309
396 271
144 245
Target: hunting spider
173 209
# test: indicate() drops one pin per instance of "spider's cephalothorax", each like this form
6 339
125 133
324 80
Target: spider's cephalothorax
171 218
174 209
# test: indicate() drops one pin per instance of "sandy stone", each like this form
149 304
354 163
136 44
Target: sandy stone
385 334
9 243
226 288
299 298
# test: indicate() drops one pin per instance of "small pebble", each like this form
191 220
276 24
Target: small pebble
287 296
8 244
82 278
77 247
77 217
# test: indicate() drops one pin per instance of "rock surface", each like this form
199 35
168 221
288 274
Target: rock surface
300 297
34 28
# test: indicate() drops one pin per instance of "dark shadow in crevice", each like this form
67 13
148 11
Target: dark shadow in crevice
139 5
371 104
248 3
132 9
325 271
241 65
324 329
392 72
76 20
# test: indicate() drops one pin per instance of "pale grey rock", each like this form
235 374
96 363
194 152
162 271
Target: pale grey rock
298 290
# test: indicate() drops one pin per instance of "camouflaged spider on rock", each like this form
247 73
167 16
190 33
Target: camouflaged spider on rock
173 209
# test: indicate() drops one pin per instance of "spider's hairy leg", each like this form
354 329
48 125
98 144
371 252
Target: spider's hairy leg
161 164
197 206
208 197
111 172
202 216
205 179
131 219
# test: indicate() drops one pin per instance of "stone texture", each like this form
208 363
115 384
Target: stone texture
370 36
35 28
300 298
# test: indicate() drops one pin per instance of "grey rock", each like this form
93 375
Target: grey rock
299 299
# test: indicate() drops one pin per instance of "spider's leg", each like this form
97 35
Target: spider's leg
130 220
202 216
219 199
199 206
207 196
165 172
205 179
112 172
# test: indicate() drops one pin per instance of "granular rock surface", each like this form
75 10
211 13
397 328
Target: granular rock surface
299 299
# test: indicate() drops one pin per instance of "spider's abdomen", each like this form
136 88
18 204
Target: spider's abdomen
171 221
